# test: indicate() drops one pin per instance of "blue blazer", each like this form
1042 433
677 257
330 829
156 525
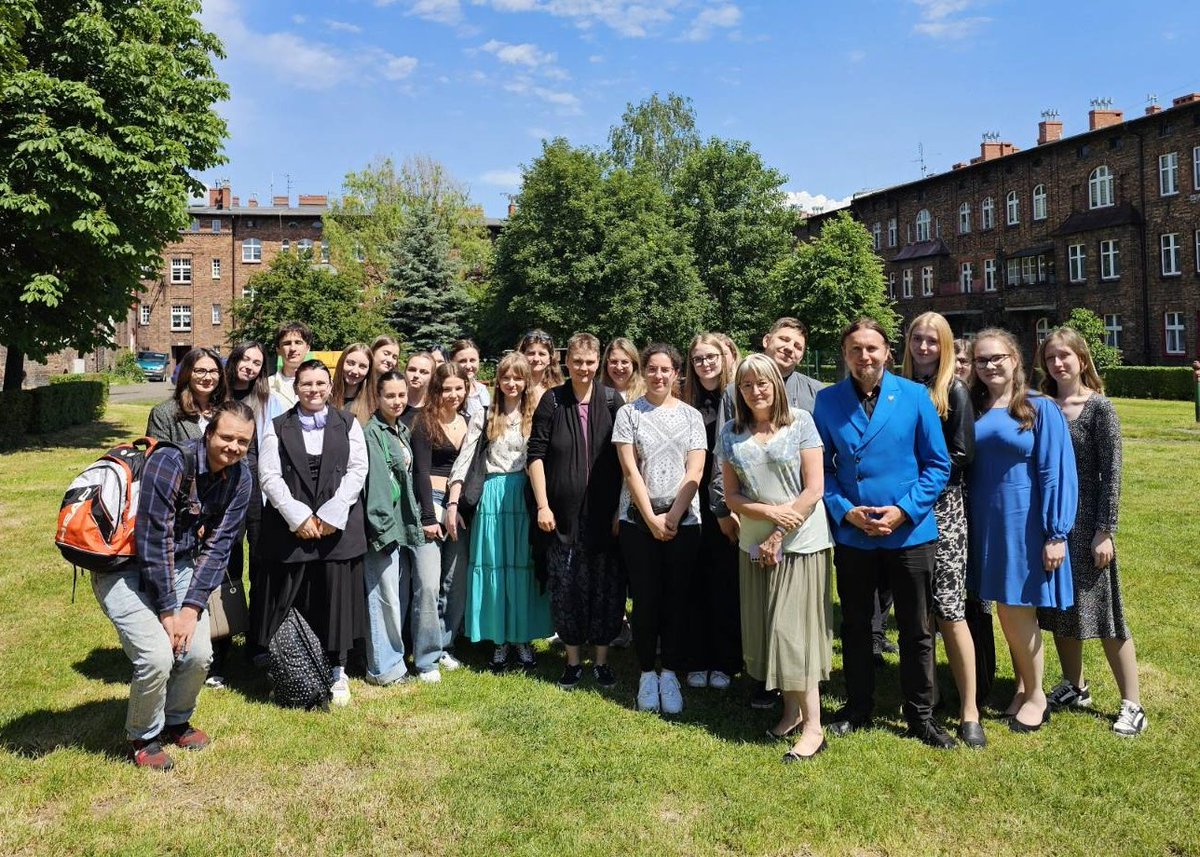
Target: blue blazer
897 458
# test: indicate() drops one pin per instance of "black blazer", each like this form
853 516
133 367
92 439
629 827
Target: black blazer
583 481
280 543
958 427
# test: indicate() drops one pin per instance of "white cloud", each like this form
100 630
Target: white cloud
503 178
809 202
525 54
393 67
439 11
856 56
342 26
633 18
595 58
299 20
712 18
945 19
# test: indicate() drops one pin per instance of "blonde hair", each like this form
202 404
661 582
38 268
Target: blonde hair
939 390
1019 406
760 366
691 384
513 363
1072 339
364 402
637 384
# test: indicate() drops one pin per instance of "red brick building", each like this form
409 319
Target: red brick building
1108 219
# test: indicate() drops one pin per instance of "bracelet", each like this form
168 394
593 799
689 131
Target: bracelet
780 530
451 503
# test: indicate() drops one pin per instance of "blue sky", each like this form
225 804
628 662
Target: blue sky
836 95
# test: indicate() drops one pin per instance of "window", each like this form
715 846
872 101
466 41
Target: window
216 313
251 250
1168 174
987 214
907 233
216 226
966 277
1013 273
181 317
1012 207
892 285
876 237
144 314
1039 202
317 224
1112 330
1042 328
361 256
964 218
285 246
250 223
1031 270
1198 251
248 293
989 275
325 252
1100 187
1196 168
304 245
195 227
181 270
1174 329
1170 254
927 281
1110 260
892 221
923 222
1076 263
216 269
906 283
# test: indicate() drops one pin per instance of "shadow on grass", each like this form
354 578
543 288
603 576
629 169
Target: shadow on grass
97 727
107 665
100 436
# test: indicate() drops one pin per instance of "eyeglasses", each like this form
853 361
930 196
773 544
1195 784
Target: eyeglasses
991 361
758 384
206 373
538 336
702 359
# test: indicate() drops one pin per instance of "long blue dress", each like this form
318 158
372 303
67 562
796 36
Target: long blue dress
1024 489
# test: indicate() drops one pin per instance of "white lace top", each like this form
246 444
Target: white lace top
505 454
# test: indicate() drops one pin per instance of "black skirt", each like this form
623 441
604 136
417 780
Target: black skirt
330 595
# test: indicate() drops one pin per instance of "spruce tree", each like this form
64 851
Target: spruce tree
428 303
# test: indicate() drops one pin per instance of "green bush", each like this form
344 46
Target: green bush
1150 382
65 404
127 370
16 407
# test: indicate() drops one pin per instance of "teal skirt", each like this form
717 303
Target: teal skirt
504 603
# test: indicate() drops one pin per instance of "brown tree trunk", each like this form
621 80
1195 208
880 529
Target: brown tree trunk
14 369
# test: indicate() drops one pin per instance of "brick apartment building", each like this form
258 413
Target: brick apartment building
1108 219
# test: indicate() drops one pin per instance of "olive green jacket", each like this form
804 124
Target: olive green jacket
389 453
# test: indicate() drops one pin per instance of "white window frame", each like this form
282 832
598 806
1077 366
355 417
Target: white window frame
1039 202
324 254
195 225
285 246
1110 259
1012 272
1169 252
892 285
987 213
215 226
216 269
1041 330
924 224
1196 168
966 277
216 314
181 318
1198 251
1012 208
876 236
144 314
893 233
906 283
248 293
1168 174
252 251
989 275
304 245
964 219
1174 331
927 281
1112 330
1077 263
1100 187
181 270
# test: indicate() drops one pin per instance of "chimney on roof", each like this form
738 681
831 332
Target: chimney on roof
1050 128
280 202
512 209
318 200
1186 99
236 202
220 196
252 202
992 147
1102 115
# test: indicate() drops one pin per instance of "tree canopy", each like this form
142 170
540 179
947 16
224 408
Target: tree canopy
106 114
427 303
1091 327
656 135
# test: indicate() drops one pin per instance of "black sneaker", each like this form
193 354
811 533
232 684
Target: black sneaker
571 676
526 659
604 675
763 699
499 660
932 735
1067 695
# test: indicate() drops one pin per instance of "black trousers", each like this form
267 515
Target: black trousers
883 606
713 619
658 583
909 573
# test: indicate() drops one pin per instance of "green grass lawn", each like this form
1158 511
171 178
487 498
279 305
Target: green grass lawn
488 765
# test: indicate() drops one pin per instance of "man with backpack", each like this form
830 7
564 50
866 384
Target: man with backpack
191 503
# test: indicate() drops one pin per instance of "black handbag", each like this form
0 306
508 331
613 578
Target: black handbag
472 485
298 669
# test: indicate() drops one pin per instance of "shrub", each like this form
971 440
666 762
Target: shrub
127 370
67 403
16 407
1150 382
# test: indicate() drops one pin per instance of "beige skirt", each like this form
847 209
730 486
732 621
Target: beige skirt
787 619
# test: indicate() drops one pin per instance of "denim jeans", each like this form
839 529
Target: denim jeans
164 687
389 590
425 622
452 594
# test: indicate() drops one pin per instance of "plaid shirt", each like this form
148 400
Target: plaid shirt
164 532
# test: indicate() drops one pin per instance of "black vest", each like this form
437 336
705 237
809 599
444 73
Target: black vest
277 541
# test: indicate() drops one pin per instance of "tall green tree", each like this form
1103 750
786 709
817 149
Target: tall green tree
1091 328
106 114
334 305
427 302
732 208
656 135
833 280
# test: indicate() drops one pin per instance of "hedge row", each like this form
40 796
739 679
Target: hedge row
66 402
1151 382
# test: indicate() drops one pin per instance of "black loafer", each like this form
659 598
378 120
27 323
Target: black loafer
789 757
1024 728
772 735
971 733
932 735
844 722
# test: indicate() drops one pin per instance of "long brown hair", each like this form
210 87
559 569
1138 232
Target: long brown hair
364 400
943 377
512 363
691 384
553 375
1070 337
1019 406
433 399
260 388
185 401
637 384
760 366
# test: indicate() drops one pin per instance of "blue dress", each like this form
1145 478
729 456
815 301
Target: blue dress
1023 491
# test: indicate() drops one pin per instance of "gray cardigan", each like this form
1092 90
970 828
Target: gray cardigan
167 422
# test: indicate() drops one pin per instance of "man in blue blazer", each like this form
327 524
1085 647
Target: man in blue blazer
885 465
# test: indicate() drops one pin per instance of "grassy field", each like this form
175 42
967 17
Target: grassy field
485 765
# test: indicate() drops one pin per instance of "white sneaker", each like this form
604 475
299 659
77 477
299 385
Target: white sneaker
719 680
670 698
647 695
215 682
448 662
1131 721
430 677
341 691
697 679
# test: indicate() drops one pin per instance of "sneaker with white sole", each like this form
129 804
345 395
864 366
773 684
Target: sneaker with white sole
499 661
1067 695
430 676
215 682
1131 721
719 680
448 662
647 695
697 679
341 691
670 695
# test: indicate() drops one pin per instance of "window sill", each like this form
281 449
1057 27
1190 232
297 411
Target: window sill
252 261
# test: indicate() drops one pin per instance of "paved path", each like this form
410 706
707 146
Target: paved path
152 392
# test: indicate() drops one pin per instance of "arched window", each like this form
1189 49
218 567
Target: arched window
964 218
1100 187
1043 330
923 221
987 214
1013 208
285 246
304 245
1039 202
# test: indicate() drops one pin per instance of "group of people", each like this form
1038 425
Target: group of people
411 508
